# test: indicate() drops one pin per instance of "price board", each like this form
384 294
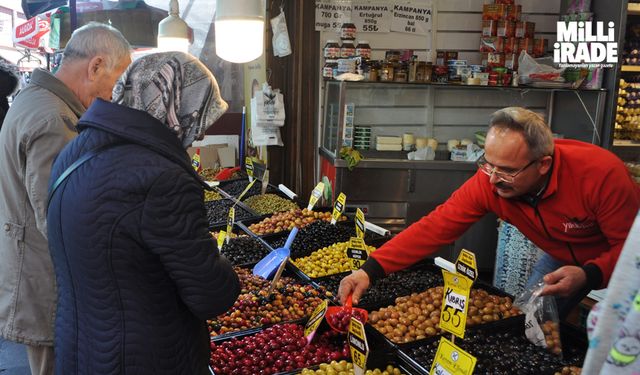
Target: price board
466 264
451 360
230 220
314 320
455 303
358 346
357 252
315 195
360 223
338 208
248 166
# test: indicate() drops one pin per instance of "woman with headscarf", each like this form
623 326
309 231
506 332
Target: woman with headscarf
8 85
136 268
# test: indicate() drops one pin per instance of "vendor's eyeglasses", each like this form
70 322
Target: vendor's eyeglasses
489 169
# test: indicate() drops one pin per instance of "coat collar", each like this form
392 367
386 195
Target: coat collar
48 81
137 127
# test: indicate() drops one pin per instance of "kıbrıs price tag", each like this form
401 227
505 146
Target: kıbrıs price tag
357 252
360 223
358 346
314 320
246 190
455 303
315 195
221 236
338 208
451 360
466 264
265 182
248 166
230 220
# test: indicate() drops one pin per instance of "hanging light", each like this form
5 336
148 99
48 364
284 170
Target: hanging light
173 32
239 30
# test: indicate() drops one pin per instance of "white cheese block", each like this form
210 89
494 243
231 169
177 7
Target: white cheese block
388 147
388 140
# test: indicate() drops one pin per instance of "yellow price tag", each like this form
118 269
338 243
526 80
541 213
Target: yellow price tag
455 303
358 346
451 360
246 190
221 236
315 195
230 220
338 208
466 264
357 252
248 166
315 319
360 228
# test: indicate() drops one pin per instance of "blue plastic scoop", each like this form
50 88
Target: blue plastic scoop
268 266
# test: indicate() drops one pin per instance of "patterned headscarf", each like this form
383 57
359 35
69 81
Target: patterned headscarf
175 88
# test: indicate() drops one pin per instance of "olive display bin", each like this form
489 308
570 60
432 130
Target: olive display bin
236 186
271 190
272 237
218 211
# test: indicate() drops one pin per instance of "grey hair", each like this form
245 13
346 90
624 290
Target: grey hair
531 125
95 39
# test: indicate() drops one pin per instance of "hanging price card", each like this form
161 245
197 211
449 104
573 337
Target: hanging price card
451 360
338 208
265 182
221 236
453 317
315 195
466 264
230 220
360 223
246 190
248 166
358 346
314 320
357 252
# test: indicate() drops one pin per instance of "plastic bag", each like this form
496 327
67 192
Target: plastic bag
536 70
280 41
542 325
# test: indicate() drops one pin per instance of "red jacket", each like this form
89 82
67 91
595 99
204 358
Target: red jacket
588 206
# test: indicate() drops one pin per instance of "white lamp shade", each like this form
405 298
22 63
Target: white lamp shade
173 44
239 30
173 32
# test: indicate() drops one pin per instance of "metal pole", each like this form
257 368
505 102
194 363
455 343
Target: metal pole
73 15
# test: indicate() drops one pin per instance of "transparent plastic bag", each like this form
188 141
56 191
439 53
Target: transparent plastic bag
542 325
537 70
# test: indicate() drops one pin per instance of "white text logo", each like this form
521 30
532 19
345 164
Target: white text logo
585 44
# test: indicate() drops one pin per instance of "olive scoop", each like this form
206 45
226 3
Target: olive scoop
339 317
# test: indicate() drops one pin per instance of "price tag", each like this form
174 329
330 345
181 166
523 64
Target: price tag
314 320
265 182
358 346
315 195
466 264
195 161
221 236
248 166
246 190
451 360
360 223
357 252
338 208
230 220
453 317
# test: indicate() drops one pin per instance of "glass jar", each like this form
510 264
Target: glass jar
386 72
330 66
401 73
413 69
348 49
363 49
428 72
331 49
420 71
348 31
374 69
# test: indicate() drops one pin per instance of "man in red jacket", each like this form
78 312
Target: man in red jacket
574 200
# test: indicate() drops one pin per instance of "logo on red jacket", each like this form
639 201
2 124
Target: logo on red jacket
576 224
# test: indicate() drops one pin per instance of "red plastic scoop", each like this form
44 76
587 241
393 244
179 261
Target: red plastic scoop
339 317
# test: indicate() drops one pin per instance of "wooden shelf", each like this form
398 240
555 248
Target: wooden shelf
630 68
633 9
625 143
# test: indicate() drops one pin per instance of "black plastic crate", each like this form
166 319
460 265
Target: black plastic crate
218 212
236 186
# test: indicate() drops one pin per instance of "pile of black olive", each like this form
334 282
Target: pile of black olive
235 187
243 250
397 284
313 237
501 353
218 212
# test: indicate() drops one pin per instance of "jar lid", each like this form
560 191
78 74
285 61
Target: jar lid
347 41
332 41
363 42
331 61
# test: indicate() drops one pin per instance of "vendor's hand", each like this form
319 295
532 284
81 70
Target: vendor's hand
356 283
564 281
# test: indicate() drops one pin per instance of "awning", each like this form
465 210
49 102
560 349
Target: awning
30 34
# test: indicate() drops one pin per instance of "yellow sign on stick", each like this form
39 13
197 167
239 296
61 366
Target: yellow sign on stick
451 360
455 303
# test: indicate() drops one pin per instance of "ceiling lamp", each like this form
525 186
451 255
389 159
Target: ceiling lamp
239 30
173 32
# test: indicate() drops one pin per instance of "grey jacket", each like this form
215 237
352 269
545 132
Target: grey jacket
40 122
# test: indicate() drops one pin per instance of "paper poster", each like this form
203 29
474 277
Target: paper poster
371 18
412 19
331 15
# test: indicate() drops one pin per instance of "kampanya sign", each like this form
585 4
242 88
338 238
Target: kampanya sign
577 43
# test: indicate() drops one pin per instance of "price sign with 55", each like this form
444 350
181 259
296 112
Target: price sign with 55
453 317
372 18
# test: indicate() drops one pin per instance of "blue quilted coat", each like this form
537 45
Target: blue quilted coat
136 268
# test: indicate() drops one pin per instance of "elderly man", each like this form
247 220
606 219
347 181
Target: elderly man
574 200
39 124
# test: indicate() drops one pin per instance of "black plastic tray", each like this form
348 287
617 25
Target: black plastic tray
232 187
242 212
274 190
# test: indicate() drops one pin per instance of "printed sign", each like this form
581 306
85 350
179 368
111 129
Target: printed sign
338 208
451 360
221 237
315 195
230 220
358 346
371 18
412 19
453 317
265 182
331 15
357 252
466 264
314 320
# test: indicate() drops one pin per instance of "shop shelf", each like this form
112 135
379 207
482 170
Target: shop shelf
630 68
633 9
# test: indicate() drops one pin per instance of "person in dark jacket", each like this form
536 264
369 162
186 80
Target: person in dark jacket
137 270
8 85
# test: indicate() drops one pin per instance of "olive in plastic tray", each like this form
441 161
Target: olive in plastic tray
381 357
218 211
236 186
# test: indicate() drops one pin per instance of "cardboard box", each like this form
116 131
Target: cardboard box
506 29
525 29
511 45
513 12
489 28
208 154
494 11
492 44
